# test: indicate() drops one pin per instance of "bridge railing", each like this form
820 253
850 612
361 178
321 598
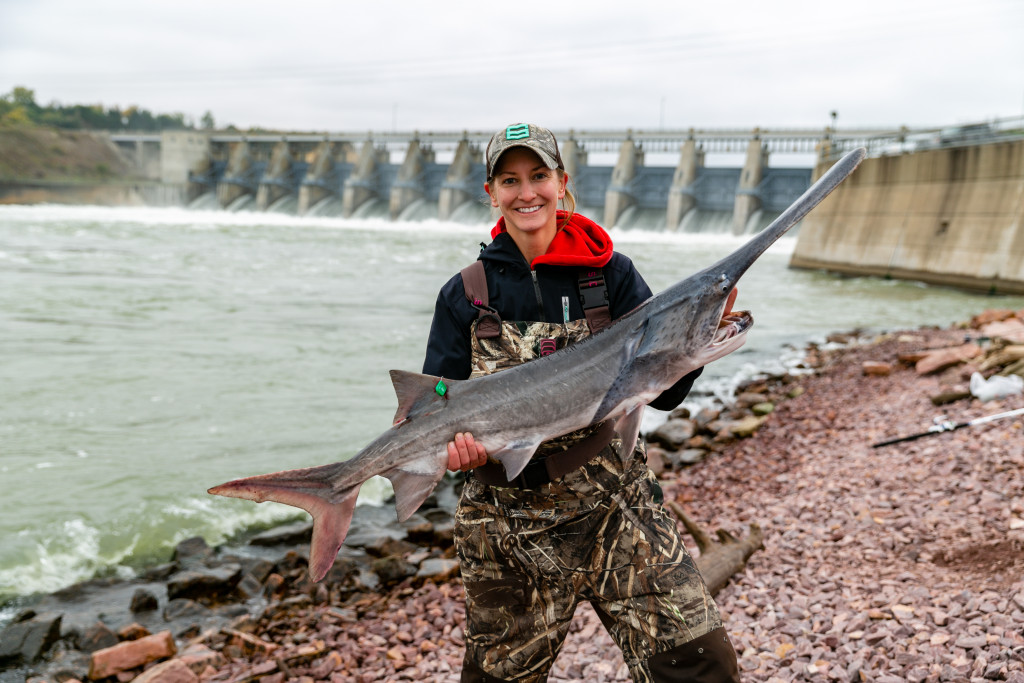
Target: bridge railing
915 140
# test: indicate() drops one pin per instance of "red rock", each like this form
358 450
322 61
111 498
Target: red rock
876 368
332 662
173 671
1011 330
307 653
249 644
131 654
198 657
941 359
133 631
991 315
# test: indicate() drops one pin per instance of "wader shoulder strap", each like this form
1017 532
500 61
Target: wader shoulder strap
474 280
594 299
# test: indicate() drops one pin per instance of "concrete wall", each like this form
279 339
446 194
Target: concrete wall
947 216
99 194
181 152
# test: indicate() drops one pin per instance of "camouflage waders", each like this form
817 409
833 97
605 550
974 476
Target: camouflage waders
599 533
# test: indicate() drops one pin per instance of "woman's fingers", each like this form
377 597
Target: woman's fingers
465 453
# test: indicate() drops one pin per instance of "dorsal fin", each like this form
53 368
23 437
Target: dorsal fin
417 394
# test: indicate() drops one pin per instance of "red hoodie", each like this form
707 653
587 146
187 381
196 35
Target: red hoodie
580 242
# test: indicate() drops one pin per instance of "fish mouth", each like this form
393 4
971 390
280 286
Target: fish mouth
731 326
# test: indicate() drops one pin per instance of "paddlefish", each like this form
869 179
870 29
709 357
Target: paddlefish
610 375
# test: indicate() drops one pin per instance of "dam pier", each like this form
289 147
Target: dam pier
658 179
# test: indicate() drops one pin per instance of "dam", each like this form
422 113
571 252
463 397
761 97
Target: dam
940 205
633 178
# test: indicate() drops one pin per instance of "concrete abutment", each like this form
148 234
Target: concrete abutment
943 216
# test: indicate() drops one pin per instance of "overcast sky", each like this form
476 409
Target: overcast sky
377 65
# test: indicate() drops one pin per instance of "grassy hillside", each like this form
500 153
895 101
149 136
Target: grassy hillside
38 153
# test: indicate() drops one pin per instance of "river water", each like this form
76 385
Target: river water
148 354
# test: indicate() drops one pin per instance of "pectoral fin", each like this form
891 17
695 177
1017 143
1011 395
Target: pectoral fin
515 455
415 480
628 429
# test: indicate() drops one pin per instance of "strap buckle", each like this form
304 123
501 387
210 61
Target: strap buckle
593 291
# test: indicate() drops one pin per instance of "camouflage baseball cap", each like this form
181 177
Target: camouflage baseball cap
540 140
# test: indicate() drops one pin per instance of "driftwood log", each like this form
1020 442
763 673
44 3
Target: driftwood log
718 561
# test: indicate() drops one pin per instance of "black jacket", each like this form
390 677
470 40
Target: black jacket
510 287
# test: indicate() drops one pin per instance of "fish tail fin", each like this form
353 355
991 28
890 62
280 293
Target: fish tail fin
416 480
309 489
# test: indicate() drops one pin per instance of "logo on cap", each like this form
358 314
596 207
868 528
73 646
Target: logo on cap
517 132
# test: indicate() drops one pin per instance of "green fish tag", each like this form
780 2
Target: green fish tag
441 388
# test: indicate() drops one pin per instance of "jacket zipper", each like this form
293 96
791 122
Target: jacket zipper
536 291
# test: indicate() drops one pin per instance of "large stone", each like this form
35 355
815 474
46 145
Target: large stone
938 360
707 416
173 671
656 458
97 637
686 457
748 398
876 368
442 525
991 315
143 601
26 641
394 568
198 656
372 535
673 434
746 426
288 534
183 608
1011 330
438 568
195 584
131 655
192 550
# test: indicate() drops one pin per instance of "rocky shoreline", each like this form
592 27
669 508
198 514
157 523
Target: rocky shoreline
901 563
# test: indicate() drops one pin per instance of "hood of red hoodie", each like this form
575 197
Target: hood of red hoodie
580 242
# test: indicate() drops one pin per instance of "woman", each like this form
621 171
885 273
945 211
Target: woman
583 521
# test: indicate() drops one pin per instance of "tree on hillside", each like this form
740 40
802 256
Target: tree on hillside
19 107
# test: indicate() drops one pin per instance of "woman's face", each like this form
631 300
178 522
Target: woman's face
526 192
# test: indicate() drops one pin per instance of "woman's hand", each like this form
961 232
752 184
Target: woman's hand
464 453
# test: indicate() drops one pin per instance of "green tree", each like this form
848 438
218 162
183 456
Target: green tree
16 116
24 97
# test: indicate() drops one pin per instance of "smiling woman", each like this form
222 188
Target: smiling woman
582 521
